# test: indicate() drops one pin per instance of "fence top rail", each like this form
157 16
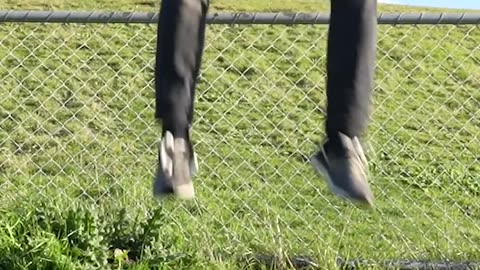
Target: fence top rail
19 16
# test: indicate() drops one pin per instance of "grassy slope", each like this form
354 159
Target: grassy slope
77 143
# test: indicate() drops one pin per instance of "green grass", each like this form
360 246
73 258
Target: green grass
77 144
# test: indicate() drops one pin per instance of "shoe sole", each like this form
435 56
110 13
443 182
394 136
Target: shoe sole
321 170
175 169
182 182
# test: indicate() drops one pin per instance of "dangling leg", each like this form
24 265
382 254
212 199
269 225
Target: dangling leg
180 43
350 72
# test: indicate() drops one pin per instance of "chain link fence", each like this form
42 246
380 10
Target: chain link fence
77 127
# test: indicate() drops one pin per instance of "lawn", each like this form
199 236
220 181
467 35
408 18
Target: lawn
78 146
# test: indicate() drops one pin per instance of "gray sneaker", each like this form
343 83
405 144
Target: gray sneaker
176 167
346 174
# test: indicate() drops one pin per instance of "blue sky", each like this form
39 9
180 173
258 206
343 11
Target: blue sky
464 4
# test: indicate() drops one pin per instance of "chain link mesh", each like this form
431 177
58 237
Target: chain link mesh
77 127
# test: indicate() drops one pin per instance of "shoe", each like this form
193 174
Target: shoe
346 174
176 167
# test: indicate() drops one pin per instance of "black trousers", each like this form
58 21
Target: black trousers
350 64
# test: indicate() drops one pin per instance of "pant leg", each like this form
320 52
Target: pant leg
180 43
351 58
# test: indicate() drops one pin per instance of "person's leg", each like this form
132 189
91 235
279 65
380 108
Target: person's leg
180 43
350 75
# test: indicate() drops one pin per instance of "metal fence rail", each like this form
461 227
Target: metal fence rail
227 18
77 127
